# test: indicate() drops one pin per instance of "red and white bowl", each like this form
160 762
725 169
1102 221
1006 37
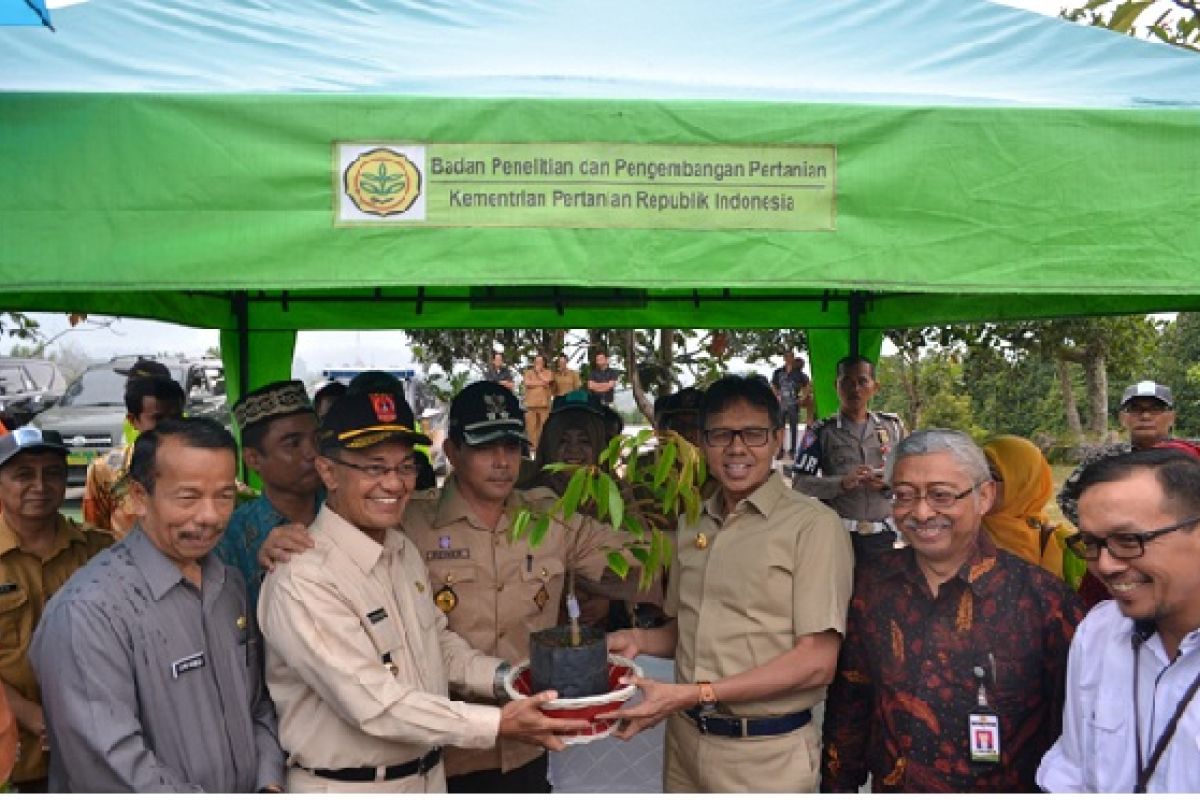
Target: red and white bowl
517 684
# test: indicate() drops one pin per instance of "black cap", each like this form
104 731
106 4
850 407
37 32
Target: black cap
581 400
357 421
686 400
375 380
486 412
30 440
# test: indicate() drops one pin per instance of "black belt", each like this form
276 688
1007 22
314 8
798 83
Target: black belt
742 727
418 766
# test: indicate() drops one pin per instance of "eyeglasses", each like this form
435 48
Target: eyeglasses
1120 545
1153 408
405 469
938 499
723 437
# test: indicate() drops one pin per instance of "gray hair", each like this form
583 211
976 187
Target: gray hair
959 445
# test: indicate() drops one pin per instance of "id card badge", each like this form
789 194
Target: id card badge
984 729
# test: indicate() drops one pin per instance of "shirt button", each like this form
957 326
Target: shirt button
499 587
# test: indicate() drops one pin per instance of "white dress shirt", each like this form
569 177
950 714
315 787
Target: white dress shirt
1097 751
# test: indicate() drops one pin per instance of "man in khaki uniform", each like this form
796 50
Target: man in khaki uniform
496 592
841 461
758 594
39 550
565 378
359 661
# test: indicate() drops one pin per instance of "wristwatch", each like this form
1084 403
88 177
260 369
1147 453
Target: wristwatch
498 690
708 697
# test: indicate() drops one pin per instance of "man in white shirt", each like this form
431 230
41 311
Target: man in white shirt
1130 722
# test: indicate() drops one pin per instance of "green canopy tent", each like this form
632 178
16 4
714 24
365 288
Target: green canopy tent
229 165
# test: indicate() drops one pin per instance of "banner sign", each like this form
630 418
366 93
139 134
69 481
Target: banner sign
586 185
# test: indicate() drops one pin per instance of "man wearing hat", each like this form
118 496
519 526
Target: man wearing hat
39 550
151 395
1147 412
359 659
496 592
279 430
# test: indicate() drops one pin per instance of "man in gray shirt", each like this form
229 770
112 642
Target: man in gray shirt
148 657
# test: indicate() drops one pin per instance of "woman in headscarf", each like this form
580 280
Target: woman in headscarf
1017 521
575 433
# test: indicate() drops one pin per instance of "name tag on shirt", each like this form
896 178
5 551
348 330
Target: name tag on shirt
8 588
439 555
187 664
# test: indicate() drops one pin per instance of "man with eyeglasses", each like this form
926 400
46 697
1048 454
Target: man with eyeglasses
495 592
1147 413
1131 722
360 662
841 458
757 599
951 674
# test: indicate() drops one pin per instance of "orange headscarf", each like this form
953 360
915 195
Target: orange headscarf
1016 521
8 740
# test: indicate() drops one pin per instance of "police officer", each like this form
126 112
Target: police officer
841 460
494 591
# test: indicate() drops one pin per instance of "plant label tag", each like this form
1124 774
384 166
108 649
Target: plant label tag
572 607
984 729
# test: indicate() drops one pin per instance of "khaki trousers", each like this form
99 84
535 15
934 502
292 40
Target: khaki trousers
696 762
300 780
535 420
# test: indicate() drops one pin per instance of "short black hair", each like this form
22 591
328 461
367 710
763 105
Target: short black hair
200 432
167 390
850 361
334 389
426 477
753 389
1178 475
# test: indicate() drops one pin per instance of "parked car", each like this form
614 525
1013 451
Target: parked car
91 414
28 386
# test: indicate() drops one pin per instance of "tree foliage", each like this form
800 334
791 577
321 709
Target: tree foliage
1174 22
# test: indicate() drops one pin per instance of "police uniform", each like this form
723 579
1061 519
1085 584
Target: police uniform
834 447
494 592
26 584
744 587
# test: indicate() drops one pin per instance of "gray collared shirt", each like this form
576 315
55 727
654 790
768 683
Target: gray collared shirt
150 684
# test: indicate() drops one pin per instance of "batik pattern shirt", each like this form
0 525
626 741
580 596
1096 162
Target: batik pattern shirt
905 686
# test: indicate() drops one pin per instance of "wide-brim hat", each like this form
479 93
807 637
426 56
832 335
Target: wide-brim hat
30 440
357 421
487 412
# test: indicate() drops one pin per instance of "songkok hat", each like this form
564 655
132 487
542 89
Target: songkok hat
279 399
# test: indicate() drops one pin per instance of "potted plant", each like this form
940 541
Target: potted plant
639 494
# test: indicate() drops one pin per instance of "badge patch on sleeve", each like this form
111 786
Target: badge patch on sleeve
187 664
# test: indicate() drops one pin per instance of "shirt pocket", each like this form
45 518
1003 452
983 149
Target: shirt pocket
543 578
14 607
1017 684
842 456
457 587
1109 746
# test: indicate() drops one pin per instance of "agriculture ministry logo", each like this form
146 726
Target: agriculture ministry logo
382 182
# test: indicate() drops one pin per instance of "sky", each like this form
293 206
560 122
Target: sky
315 350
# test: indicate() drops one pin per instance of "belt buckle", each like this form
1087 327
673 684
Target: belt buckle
702 722
864 527
425 762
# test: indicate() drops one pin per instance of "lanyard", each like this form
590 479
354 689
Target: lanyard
1146 769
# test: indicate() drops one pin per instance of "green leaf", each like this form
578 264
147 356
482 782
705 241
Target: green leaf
600 484
1125 16
556 467
642 437
574 493
666 460
618 564
634 525
616 504
538 534
519 523
641 553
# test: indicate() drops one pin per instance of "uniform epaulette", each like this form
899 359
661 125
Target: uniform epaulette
889 415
